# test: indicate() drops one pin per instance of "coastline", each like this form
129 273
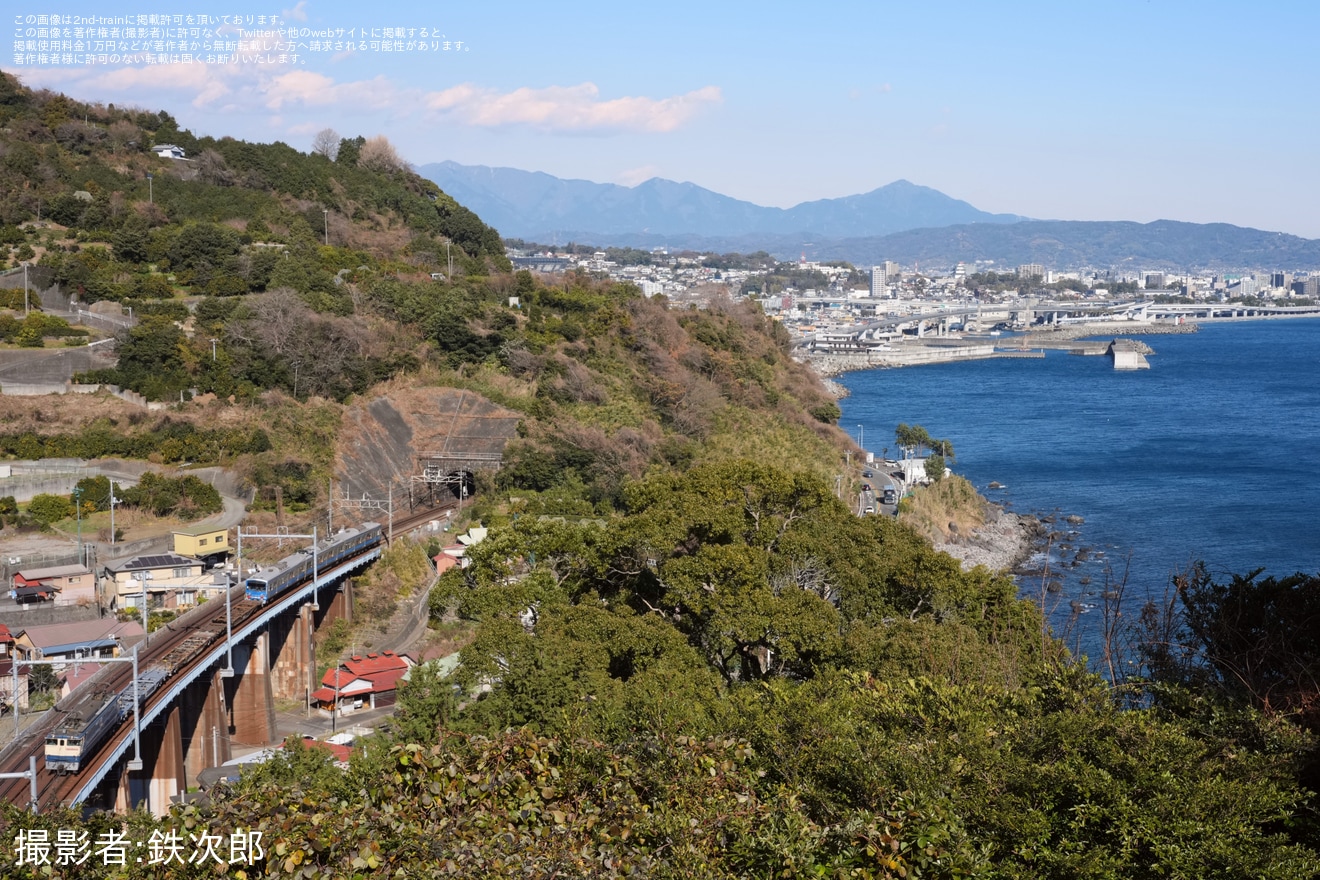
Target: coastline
829 364
1002 544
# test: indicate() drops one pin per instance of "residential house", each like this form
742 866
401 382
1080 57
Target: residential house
168 151
369 682
168 580
6 641
207 543
83 640
61 584
77 674
7 686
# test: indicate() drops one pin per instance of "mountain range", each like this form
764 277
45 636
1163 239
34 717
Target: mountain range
901 221
537 206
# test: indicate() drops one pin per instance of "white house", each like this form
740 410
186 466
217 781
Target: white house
168 151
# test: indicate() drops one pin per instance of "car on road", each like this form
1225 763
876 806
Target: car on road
867 474
866 487
870 510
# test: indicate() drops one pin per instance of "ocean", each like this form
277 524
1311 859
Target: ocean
1211 455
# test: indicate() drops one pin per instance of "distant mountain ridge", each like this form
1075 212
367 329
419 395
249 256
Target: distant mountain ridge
903 222
538 206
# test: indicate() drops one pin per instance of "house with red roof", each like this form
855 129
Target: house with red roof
362 682
6 641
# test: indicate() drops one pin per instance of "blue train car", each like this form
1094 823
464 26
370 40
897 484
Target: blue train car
267 583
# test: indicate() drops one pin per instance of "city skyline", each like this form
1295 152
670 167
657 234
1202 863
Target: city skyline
1130 110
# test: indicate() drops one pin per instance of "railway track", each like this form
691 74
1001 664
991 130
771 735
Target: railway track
422 517
180 646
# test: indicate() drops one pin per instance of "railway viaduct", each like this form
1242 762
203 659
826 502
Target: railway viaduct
201 712
422 444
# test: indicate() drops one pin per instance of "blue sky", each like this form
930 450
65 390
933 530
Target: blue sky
1071 109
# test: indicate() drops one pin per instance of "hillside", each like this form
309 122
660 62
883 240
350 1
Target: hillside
689 658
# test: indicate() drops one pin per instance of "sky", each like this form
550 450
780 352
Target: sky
1139 110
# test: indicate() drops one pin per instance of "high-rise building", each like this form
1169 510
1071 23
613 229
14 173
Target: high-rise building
1154 280
1031 270
879 281
960 271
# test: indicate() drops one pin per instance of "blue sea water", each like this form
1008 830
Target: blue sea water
1212 455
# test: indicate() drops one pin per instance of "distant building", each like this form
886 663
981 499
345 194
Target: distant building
1028 271
168 151
879 282
1154 281
540 264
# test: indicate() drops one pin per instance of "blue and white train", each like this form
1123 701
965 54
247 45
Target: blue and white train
94 715
268 583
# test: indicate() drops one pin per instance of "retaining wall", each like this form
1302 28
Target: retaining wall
44 614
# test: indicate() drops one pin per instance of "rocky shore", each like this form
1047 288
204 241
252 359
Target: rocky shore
1005 541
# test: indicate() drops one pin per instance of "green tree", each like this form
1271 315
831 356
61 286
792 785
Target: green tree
913 439
935 468
95 492
42 679
47 509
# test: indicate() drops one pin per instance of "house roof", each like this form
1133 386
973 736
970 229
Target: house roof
40 574
5 634
7 670
373 664
79 673
79 633
152 563
358 674
346 686
341 753
194 531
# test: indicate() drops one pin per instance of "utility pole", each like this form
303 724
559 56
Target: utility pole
325 215
213 342
25 289
113 502
77 502
151 192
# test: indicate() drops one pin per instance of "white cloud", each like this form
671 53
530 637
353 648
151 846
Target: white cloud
297 13
318 90
568 108
204 84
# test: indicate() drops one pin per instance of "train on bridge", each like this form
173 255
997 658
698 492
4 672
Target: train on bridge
94 715
267 584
